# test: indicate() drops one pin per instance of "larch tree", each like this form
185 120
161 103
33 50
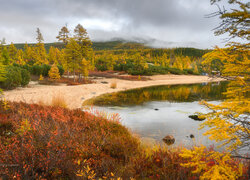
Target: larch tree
20 58
29 54
63 35
85 68
229 122
39 37
73 56
41 54
52 56
12 53
54 72
82 38
5 56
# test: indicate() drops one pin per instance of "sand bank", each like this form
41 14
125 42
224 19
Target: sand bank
75 95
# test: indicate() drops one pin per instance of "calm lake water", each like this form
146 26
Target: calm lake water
157 111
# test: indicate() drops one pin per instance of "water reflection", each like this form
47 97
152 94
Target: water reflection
174 104
171 93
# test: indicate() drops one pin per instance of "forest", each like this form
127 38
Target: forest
78 56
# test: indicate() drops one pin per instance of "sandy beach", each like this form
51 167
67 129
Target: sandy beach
76 95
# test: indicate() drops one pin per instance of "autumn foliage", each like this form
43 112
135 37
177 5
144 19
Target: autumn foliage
38 141
57 143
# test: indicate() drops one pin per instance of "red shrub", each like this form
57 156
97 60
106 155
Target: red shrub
47 142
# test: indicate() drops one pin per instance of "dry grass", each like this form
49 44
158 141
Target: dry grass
58 100
113 85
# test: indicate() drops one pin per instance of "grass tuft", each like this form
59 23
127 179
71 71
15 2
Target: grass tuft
58 100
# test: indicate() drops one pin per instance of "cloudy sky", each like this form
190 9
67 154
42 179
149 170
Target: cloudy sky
165 23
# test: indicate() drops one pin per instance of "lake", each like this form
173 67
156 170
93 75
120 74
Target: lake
154 112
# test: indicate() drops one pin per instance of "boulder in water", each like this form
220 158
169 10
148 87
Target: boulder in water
196 118
169 139
191 136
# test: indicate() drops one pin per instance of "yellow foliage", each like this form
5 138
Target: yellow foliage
211 164
5 105
41 77
54 72
229 121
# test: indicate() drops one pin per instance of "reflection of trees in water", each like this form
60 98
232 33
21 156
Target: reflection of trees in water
173 93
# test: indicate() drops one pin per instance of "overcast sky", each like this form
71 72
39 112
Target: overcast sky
166 23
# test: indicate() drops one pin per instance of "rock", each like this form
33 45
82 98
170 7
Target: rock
156 109
169 139
191 136
196 118
104 82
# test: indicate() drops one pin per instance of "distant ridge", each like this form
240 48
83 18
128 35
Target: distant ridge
121 44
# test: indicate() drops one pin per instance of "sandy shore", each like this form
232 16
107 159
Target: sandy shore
75 95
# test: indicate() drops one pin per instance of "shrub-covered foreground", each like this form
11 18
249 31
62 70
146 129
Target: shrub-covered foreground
56 143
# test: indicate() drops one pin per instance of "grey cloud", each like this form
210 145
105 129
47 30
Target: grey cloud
180 21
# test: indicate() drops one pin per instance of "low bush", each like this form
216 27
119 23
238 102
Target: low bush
48 142
44 142
15 77
25 77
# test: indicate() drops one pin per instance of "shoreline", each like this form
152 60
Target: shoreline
76 95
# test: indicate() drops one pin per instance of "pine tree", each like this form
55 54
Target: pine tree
54 72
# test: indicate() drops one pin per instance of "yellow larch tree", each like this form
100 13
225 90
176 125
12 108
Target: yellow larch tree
229 121
54 72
